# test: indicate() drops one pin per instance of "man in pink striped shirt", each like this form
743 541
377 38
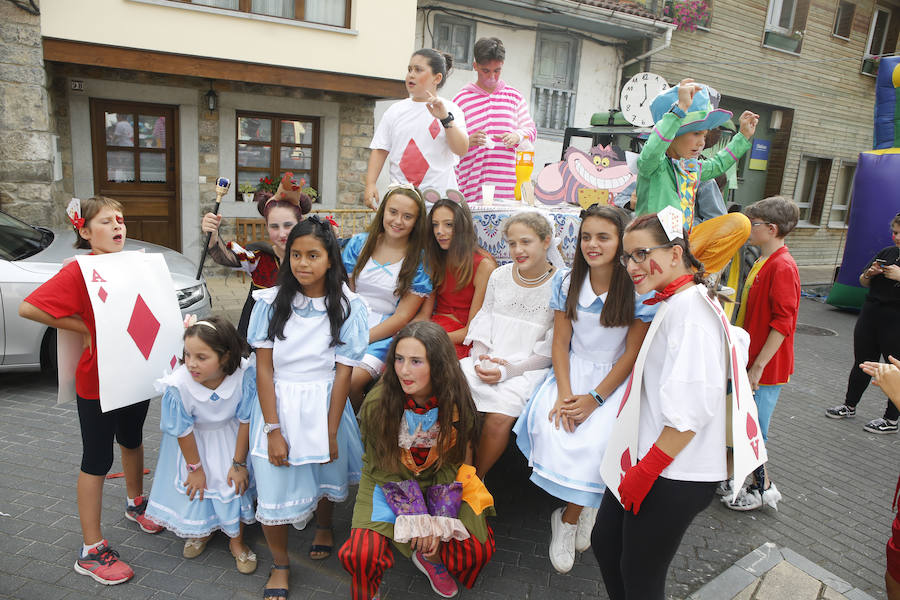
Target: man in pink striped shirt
498 121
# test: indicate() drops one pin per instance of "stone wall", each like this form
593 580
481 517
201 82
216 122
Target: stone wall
27 189
355 129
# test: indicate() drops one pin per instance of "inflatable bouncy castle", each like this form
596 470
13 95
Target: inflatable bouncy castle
876 191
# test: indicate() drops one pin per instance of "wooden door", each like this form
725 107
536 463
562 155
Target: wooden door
135 147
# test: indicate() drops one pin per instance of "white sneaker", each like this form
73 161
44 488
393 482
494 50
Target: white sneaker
725 487
747 499
771 496
562 542
584 528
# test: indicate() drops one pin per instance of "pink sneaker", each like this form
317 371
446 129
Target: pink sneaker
103 566
136 513
441 582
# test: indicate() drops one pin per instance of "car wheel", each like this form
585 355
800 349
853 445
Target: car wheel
48 353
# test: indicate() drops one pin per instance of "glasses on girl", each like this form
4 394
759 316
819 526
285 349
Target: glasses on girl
640 254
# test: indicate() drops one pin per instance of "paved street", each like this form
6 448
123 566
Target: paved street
837 482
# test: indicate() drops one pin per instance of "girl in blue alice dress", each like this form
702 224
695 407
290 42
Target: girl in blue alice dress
202 483
309 332
385 268
599 325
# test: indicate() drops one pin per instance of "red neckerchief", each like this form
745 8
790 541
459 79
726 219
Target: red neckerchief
669 290
419 455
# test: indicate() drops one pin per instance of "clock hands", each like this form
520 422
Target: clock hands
645 96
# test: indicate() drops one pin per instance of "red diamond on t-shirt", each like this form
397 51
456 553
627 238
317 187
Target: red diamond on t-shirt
102 293
143 327
413 164
434 129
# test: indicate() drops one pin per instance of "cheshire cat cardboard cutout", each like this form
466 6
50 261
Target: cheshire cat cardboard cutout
585 178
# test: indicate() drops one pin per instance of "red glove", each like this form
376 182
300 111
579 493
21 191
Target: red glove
639 479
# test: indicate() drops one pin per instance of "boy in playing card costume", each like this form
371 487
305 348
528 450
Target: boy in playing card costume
63 302
419 427
261 260
670 169
681 435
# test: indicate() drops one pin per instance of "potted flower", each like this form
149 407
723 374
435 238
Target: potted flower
246 190
265 188
688 14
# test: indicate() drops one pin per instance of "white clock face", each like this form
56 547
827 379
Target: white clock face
637 94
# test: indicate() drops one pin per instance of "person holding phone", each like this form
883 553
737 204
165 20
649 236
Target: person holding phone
877 332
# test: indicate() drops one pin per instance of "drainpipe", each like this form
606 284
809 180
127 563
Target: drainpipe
666 43
651 52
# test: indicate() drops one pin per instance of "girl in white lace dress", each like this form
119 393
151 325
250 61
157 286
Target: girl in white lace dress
511 335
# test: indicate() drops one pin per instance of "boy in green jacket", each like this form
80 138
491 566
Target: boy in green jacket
670 170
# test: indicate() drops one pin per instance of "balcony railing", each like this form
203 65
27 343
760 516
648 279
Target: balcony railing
552 107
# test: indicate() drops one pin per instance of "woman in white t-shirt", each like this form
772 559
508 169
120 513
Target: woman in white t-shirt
422 137
681 430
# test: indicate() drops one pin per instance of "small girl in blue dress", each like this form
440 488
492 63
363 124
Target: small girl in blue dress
309 332
386 268
598 328
202 483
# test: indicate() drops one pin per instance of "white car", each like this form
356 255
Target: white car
29 256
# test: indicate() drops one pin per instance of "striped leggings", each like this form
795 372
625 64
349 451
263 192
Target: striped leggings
366 555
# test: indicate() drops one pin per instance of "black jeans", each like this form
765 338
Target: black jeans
634 551
875 337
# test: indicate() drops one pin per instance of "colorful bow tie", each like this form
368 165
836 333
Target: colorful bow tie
426 420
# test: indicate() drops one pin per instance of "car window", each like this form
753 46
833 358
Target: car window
19 240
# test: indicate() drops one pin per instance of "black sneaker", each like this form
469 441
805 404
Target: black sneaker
881 426
841 411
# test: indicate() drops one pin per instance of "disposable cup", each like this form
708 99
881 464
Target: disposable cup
487 194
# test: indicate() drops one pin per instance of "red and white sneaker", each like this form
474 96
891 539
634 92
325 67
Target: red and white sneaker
136 513
441 582
102 564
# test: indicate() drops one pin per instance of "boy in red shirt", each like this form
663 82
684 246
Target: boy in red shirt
769 305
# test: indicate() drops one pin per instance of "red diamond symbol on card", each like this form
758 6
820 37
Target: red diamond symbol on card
143 327
174 361
434 129
413 164
102 293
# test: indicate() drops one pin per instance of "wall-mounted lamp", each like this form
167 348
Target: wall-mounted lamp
212 98
775 120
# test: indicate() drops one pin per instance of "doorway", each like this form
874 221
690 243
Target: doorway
135 150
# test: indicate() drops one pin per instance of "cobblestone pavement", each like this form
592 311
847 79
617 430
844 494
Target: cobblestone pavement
836 479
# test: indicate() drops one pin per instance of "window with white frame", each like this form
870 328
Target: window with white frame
554 80
878 32
325 12
843 190
843 19
781 14
812 183
456 37
785 25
